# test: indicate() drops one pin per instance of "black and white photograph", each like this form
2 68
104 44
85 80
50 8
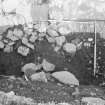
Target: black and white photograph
52 52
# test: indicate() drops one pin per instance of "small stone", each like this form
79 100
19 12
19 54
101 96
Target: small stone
18 33
5 41
90 39
31 46
23 50
64 29
1 45
47 66
52 33
41 76
8 49
11 43
50 39
33 38
69 48
24 40
31 66
60 40
57 48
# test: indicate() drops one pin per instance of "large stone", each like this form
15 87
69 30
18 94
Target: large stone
60 40
52 33
47 66
66 78
93 101
41 76
24 51
69 48
30 67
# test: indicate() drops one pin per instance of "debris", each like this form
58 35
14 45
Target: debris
23 50
66 78
69 48
93 101
47 66
41 76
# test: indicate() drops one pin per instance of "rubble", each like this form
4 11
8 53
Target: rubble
24 51
1 45
8 49
47 66
60 40
69 48
66 78
41 76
